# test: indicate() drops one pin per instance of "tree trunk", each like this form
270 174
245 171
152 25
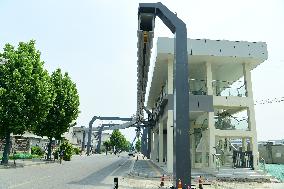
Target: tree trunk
49 149
5 157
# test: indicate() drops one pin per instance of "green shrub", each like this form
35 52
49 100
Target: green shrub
68 150
21 156
76 150
36 150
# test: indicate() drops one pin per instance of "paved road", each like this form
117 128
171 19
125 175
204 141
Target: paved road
84 172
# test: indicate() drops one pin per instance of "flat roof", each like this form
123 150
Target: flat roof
219 52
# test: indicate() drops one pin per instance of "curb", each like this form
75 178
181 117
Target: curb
21 165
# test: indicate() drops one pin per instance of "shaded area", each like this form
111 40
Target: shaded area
146 168
97 177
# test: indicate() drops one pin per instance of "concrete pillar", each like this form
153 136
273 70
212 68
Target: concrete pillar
149 143
152 145
161 141
247 79
170 142
251 113
244 144
170 75
156 145
211 139
203 153
170 120
193 149
209 78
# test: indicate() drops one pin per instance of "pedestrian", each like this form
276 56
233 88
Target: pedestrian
61 156
200 185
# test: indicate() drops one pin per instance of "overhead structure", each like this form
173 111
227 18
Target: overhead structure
147 13
131 122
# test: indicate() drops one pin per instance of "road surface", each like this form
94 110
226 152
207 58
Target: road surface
83 172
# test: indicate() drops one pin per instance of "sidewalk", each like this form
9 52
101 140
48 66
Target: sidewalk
25 162
145 168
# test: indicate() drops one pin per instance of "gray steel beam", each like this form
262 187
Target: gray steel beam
91 127
182 159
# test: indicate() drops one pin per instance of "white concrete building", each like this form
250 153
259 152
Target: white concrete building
221 69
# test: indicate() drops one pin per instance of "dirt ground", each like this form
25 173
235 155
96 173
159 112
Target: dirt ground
138 183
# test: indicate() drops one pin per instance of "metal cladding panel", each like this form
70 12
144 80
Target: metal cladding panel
201 103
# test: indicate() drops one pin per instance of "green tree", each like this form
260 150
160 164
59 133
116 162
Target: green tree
138 145
127 146
64 111
107 145
25 92
118 141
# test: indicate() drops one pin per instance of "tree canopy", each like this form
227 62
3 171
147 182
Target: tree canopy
118 141
65 108
138 145
25 91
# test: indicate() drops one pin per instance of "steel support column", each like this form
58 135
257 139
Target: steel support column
182 159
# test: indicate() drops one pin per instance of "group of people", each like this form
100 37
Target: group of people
56 155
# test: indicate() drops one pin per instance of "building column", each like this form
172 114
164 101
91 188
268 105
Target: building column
170 142
170 76
170 120
211 123
149 143
203 146
251 113
209 78
193 149
152 139
211 139
244 144
156 145
161 142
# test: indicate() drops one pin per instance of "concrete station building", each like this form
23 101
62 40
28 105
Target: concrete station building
222 70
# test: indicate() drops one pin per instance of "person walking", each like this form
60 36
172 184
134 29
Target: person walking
200 183
61 154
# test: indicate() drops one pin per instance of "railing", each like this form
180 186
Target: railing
197 86
229 88
231 123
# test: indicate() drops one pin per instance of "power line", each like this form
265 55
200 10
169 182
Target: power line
269 101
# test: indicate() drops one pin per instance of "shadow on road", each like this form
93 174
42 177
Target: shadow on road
96 179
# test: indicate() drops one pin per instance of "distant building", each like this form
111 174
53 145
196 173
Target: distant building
272 151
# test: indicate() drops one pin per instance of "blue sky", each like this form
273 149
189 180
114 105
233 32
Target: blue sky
95 42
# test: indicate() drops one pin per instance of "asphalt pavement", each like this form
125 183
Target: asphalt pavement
82 172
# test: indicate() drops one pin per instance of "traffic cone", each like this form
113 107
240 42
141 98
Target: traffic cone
179 184
162 181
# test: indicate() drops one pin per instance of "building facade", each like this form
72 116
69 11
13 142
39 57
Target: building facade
220 69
